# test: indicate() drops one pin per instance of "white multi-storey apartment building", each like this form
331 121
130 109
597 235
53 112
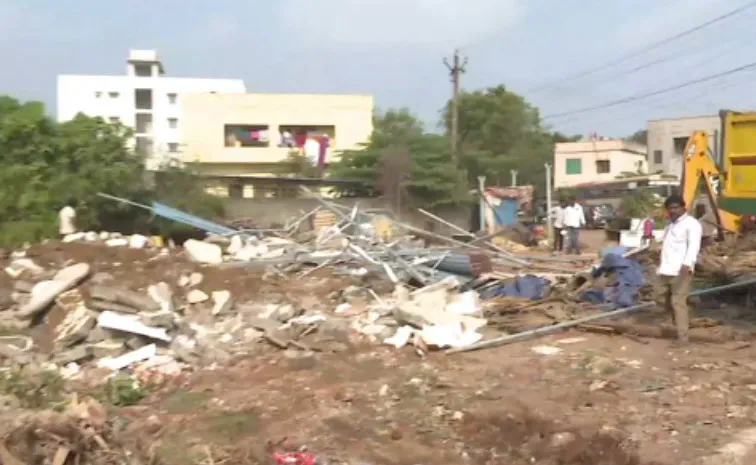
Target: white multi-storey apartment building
143 99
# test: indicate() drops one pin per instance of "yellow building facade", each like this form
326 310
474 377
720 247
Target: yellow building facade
238 135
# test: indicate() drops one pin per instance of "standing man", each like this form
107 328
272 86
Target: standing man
557 220
67 219
574 219
648 231
680 247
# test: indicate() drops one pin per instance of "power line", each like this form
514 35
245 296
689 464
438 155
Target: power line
456 69
656 92
645 49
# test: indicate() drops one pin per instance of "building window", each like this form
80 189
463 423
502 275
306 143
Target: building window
574 166
173 123
143 99
246 135
658 159
143 123
603 166
114 120
172 98
113 94
173 147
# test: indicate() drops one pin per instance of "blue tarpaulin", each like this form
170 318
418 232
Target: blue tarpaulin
624 293
529 287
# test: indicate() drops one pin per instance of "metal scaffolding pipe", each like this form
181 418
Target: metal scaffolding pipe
569 324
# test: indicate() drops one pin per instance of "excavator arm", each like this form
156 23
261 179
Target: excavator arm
699 167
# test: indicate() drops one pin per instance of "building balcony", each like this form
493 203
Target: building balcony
243 155
250 155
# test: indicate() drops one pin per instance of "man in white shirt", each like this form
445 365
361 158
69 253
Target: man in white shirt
557 220
573 220
67 219
680 247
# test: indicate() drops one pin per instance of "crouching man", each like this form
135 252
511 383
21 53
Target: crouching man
679 252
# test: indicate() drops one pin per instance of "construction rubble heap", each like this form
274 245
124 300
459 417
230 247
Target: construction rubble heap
109 303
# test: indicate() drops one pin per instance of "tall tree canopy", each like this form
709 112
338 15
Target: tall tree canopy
46 164
401 159
499 131
640 136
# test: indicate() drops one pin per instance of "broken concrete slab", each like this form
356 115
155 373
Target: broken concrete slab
64 280
107 348
74 327
203 252
160 318
195 296
101 306
129 358
222 302
124 297
21 265
98 334
162 294
73 355
195 279
131 324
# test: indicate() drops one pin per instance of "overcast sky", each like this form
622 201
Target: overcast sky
394 50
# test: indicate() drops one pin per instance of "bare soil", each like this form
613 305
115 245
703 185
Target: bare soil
601 401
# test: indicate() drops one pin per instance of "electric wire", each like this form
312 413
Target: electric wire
645 49
650 94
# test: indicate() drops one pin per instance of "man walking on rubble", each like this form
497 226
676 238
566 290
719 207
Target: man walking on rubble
573 219
679 252
557 218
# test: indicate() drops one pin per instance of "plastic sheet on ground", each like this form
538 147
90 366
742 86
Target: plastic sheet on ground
629 280
528 287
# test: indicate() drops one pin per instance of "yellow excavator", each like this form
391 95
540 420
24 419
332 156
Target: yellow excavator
731 187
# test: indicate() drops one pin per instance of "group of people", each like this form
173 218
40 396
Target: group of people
681 245
567 219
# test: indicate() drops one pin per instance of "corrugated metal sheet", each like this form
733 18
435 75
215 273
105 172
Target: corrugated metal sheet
177 215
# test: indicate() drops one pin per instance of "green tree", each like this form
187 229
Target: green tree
500 131
47 164
401 158
640 137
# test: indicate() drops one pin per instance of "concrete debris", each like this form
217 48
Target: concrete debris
211 300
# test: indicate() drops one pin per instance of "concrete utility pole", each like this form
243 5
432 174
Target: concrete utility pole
456 69
549 224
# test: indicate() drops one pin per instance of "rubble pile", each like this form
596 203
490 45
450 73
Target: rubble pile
111 302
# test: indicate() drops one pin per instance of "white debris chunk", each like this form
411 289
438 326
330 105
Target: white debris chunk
130 324
204 252
129 358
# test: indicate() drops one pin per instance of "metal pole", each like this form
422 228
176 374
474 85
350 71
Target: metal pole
445 223
549 225
599 316
457 228
482 202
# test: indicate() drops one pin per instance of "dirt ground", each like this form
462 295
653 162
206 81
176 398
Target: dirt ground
600 401
572 398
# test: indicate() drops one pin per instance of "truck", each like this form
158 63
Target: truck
729 185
